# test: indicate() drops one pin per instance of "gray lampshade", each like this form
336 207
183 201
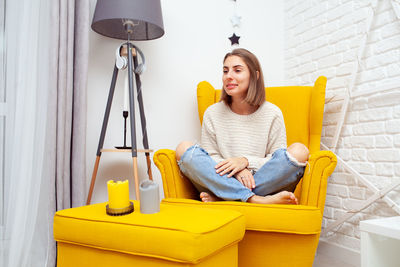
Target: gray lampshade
109 16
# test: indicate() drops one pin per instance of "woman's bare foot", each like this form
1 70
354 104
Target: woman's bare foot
208 197
283 197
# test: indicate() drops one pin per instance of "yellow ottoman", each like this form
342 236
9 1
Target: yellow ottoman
176 236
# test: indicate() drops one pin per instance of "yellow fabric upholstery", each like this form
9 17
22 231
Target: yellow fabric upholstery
266 218
276 235
176 236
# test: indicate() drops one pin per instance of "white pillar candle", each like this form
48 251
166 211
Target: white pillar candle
126 93
149 197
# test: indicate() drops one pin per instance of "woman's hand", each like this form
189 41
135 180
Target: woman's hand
246 178
231 166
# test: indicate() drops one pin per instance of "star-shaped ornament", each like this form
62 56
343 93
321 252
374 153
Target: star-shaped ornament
234 39
236 20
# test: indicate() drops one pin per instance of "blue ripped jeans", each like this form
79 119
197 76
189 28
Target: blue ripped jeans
278 174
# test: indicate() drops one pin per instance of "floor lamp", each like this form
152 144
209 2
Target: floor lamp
127 20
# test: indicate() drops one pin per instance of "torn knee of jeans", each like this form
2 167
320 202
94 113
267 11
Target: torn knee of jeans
293 159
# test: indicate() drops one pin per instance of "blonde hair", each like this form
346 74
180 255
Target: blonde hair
256 91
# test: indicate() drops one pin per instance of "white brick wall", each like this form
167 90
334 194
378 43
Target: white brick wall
323 38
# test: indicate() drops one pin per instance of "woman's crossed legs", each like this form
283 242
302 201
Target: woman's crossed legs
282 172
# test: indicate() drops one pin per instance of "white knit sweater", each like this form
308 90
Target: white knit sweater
256 136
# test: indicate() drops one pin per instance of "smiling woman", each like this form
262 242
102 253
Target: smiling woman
243 153
236 79
242 68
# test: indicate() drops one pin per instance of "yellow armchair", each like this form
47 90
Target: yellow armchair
276 235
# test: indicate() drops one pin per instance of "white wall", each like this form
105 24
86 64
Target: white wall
192 49
323 38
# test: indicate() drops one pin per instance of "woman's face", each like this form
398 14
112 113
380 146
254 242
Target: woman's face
236 77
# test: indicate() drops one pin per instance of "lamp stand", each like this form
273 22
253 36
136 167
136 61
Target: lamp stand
125 114
132 62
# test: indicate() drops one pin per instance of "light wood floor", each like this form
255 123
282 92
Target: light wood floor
322 260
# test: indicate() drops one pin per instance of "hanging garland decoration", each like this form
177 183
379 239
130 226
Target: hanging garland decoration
235 20
234 39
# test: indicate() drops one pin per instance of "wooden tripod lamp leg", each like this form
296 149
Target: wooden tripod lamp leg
133 126
142 117
136 177
96 167
103 133
149 166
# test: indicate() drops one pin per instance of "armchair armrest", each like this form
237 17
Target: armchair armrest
175 184
311 191
315 179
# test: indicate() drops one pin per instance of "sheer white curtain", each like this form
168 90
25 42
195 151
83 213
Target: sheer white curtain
27 90
46 66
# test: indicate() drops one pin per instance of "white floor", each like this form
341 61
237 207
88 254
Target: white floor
322 260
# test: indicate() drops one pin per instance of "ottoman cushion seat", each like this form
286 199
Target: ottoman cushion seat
178 234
